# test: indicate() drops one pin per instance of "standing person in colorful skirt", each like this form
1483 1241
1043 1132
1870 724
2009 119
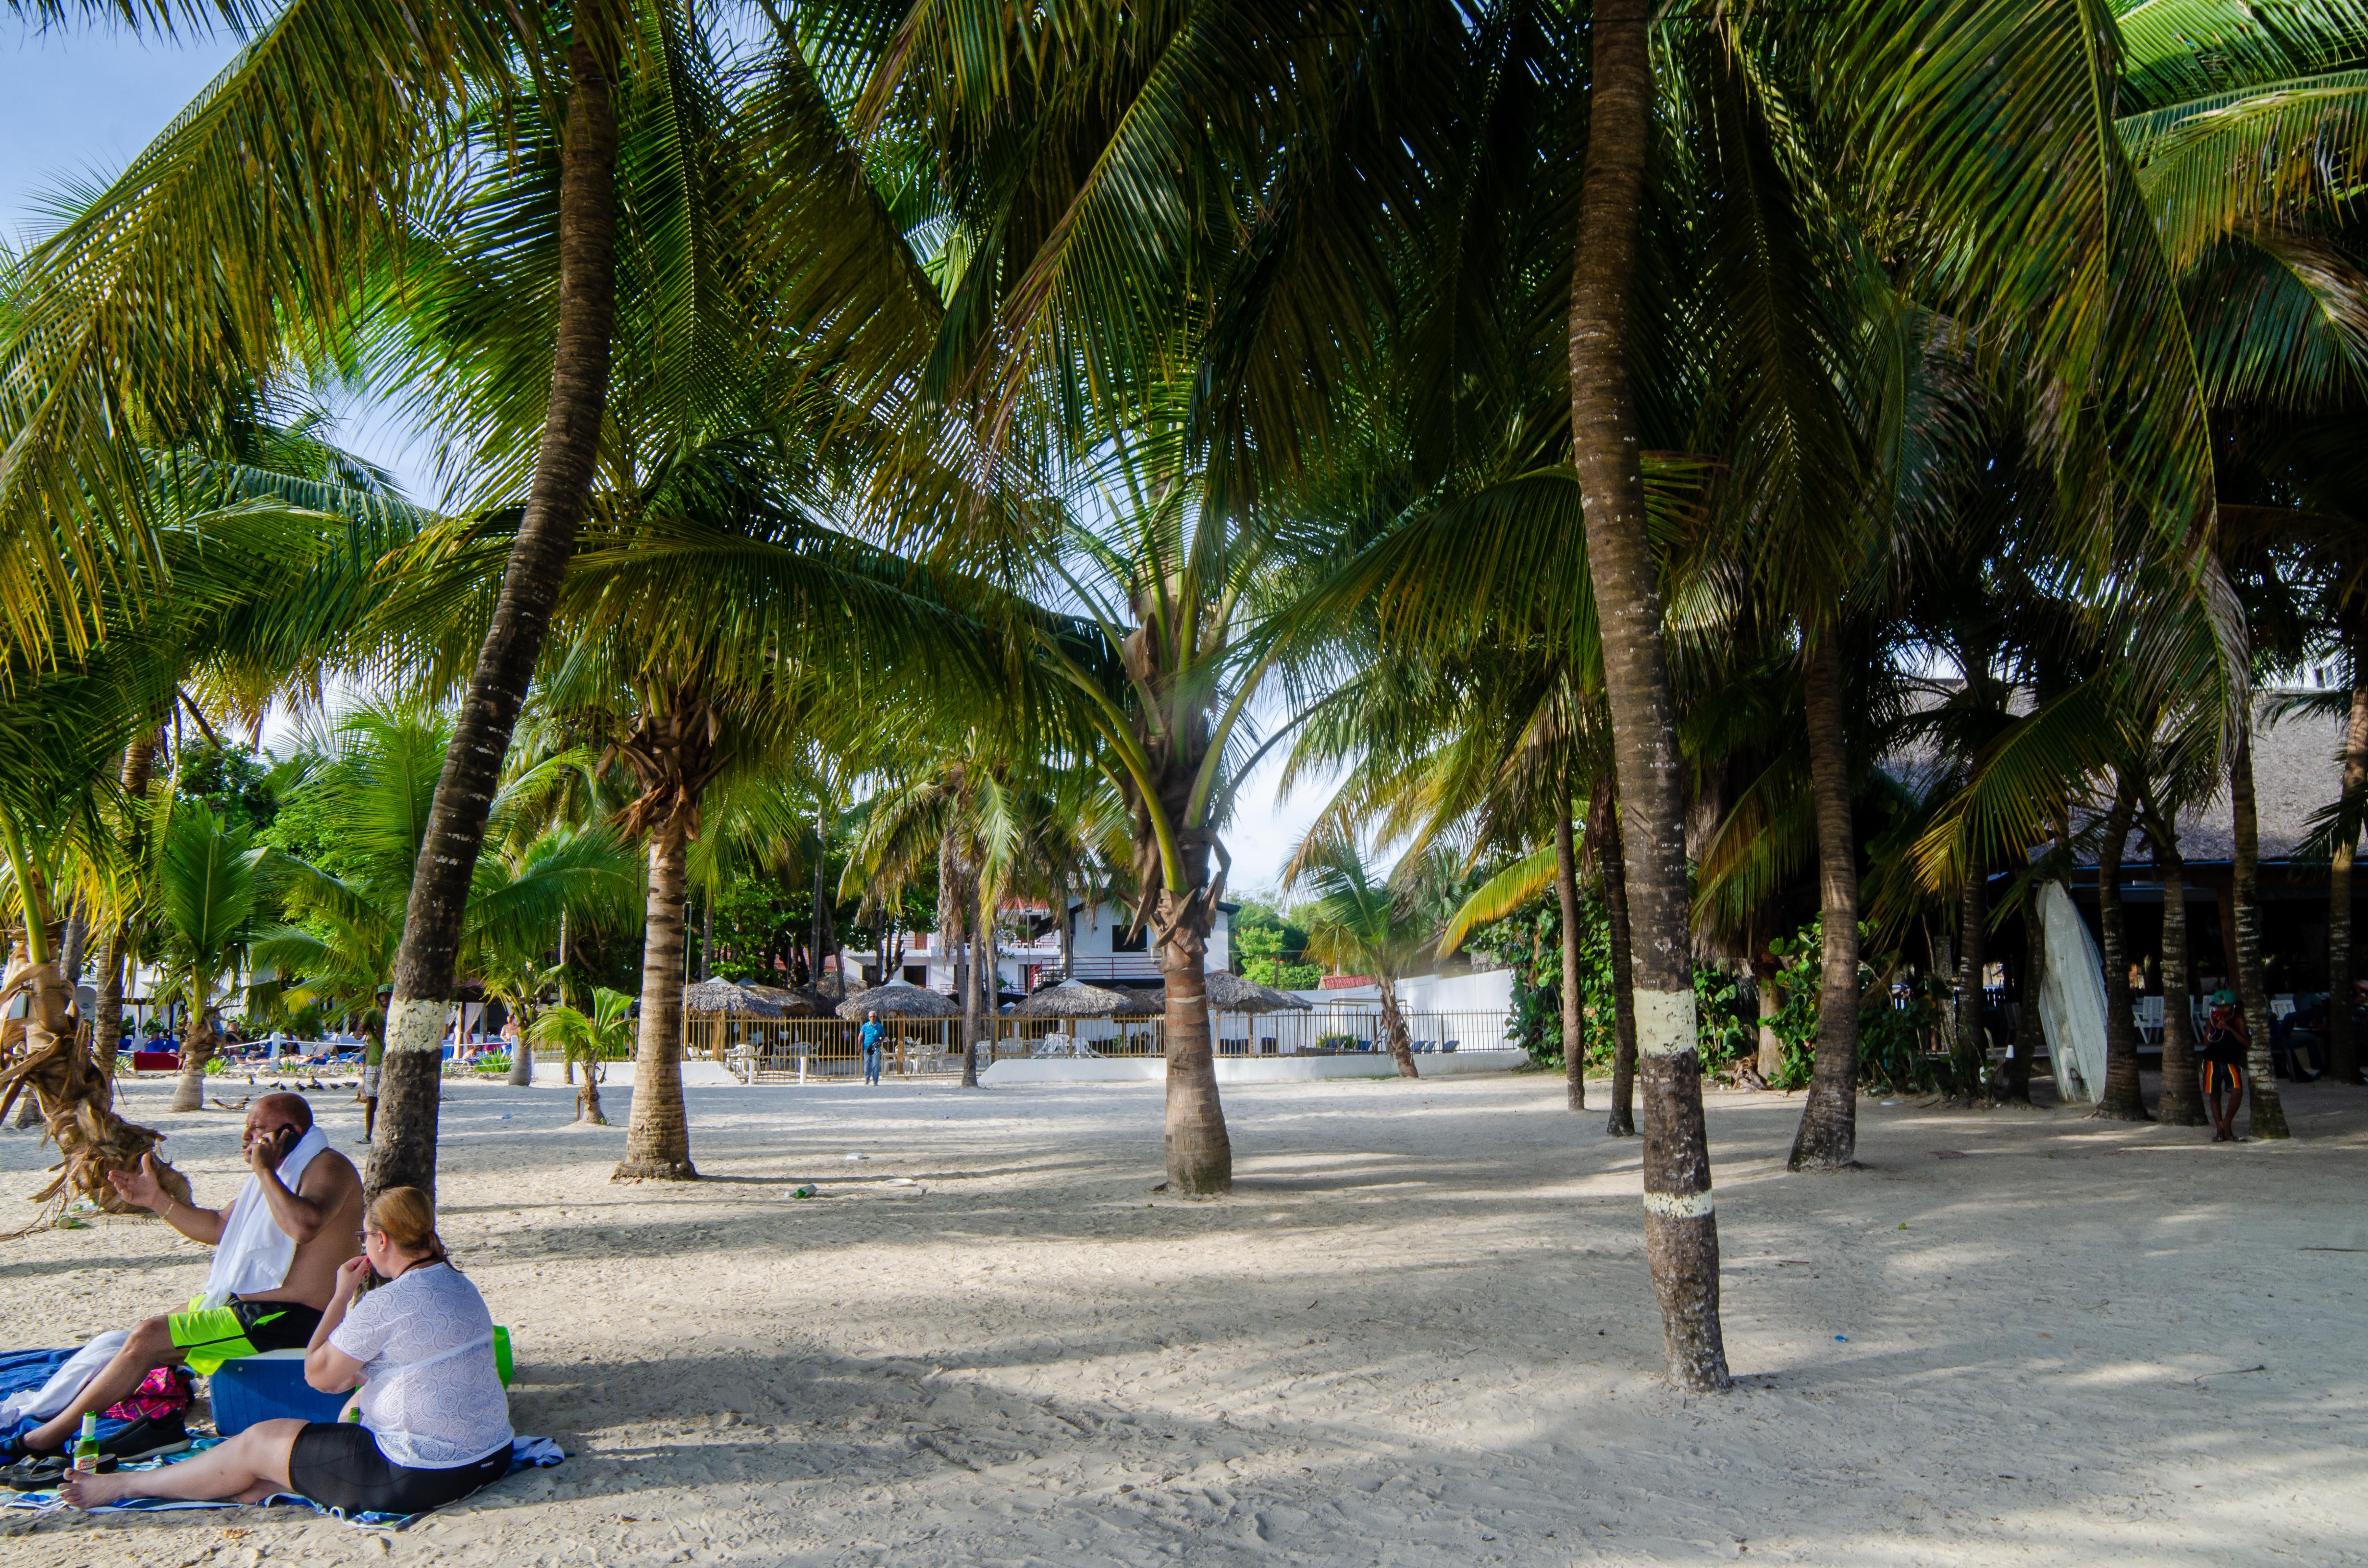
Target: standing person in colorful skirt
2221 1059
277 1246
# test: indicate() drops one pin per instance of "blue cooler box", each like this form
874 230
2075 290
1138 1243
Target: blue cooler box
271 1386
266 1388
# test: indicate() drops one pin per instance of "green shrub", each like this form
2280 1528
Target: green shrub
1891 1039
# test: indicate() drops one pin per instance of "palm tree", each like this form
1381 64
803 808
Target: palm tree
1681 1232
369 800
1361 925
185 251
209 881
603 1035
982 827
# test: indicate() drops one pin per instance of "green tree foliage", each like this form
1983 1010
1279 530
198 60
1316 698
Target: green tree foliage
1268 946
1897 1049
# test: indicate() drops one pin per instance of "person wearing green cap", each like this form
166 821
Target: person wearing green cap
2221 1059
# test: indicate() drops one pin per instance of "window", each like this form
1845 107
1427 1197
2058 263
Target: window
916 974
1137 941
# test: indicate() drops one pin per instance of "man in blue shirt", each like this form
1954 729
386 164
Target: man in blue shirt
871 1035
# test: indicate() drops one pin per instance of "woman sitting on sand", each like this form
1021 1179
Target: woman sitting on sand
435 1423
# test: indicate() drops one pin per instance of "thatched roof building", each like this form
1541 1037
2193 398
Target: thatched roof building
1076 999
1229 993
898 1000
724 998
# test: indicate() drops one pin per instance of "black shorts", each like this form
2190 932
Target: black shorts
338 1464
207 1337
276 1325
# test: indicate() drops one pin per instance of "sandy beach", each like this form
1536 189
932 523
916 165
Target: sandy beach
1421 1331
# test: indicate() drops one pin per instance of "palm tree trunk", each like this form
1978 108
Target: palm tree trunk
197 1049
107 1016
1828 1140
587 1096
1199 1151
1068 923
2120 1100
2182 1102
566 1062
1394 1028
1622 1122
1574 1029
107 1023
403 1152
1681 1228
521 1072
2343 1050
820 914
71 945
657 1140
971 990
2028 1029
1764 974
1973 958
2269 1118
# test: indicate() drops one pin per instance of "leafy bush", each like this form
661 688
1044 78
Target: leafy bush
1283 976
1531 937
1890 1038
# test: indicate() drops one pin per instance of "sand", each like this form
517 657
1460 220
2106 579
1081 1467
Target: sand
1421 1331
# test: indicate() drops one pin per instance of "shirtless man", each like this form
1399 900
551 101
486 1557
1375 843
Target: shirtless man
323 1216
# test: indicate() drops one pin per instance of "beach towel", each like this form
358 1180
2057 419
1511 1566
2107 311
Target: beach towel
31 1383
35 1402
526 1453
254 1254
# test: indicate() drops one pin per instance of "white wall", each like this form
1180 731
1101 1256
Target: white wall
1489 991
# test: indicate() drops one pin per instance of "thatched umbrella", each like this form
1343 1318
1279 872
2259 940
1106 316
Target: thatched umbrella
723 997
1229 993
898 1000
793 1002
1076 999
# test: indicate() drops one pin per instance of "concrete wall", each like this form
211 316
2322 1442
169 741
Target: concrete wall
695 1075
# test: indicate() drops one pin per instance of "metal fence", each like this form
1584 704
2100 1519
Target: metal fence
800 1051
804 1051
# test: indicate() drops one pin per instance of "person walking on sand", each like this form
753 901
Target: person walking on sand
870 1037
2221 1060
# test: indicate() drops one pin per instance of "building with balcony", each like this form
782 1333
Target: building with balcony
1028 949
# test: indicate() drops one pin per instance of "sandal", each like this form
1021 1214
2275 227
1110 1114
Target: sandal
36 1472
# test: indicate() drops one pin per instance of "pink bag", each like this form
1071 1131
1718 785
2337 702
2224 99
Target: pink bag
166 1390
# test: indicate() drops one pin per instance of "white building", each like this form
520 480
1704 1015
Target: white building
1028 949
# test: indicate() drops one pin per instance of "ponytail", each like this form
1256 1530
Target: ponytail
407 1219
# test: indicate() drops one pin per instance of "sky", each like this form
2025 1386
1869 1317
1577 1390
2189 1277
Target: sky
75 105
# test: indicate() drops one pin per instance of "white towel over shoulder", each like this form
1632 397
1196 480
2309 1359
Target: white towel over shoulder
253 1253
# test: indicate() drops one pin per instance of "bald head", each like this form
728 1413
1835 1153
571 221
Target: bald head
272 1112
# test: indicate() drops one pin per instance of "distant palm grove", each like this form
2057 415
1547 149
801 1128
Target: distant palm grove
1743 498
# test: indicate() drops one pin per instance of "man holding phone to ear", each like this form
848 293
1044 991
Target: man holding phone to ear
277 1246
